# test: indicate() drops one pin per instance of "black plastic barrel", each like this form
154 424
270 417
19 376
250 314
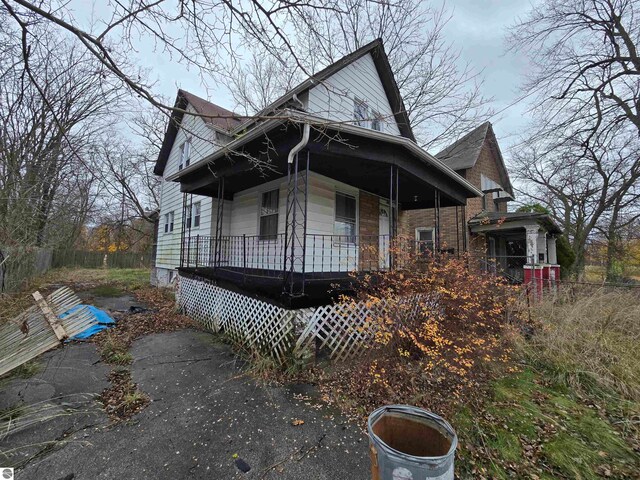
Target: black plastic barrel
409 443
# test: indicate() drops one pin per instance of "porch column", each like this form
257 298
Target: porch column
295 236
542 247
532 244
551 250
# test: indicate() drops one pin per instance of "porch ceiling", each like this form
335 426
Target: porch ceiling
362 162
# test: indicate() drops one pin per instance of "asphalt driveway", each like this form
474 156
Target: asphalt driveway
207 420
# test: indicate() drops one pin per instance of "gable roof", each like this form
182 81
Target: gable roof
464 153
383 67
214 115
237 122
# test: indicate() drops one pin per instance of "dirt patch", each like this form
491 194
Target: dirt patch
122 399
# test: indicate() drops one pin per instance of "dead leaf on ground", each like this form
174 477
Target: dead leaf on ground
295 422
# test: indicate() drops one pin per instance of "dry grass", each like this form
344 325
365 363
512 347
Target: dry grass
592 340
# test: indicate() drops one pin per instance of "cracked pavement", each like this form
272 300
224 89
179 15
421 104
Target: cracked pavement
206 420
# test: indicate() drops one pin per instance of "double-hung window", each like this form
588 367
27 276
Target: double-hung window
425 240
185 154
193 215
196 214
168 222
345 219
269 215
360 112
377 122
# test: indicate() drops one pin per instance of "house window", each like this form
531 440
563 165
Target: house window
424 240
360 112
345 221
269 215
168 222
185 154
377 122
192 219
196 214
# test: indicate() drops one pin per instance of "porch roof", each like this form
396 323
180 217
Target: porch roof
503 221
355 155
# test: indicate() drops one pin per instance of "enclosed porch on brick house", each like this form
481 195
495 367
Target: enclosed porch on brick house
519 245
300 229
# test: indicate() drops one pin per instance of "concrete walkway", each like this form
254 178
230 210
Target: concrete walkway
205 419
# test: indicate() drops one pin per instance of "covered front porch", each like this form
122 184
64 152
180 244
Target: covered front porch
299 231
521 246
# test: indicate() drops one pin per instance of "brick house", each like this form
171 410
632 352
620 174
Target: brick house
493 237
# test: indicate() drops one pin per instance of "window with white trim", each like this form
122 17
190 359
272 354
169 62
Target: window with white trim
345 218
185 154
425 239
197 207
269 215
192 219
377 122
168 222
360 112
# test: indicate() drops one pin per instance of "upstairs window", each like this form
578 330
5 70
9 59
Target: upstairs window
345 220
168 222
185 154
269 215
377 122
360 112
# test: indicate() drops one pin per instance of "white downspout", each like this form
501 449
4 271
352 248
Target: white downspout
303 143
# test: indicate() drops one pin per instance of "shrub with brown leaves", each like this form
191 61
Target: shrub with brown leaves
438 325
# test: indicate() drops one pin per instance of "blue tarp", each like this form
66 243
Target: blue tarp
104 322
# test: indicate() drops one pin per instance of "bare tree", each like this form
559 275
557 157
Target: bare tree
583 188
50 112
441 93
583 156
204 35
585 64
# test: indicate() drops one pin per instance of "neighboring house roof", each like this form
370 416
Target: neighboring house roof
503 219
214 115
463 154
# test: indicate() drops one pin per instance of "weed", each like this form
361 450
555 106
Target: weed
26 370
114 352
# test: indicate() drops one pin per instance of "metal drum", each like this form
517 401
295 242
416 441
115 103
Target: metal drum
408 443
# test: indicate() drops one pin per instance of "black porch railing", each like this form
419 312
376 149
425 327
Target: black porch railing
317 256
509 266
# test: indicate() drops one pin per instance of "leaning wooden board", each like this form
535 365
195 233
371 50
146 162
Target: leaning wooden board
39 328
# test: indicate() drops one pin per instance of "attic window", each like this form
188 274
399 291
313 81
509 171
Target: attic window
377 122
360 112
185 154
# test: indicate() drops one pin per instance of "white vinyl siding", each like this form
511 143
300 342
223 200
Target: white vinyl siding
168 250
334 98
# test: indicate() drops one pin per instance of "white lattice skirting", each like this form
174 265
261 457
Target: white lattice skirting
342 329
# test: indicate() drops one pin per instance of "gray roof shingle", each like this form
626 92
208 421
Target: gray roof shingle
464 153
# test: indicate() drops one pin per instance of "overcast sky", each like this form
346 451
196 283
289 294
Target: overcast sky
477 27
